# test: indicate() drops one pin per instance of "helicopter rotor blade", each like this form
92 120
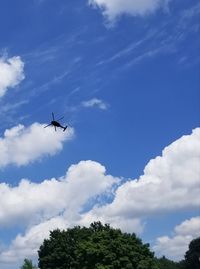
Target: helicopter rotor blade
47 125
53 116
60 118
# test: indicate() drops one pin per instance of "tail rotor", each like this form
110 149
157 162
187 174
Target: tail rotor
65 128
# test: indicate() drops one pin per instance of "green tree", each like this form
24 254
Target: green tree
165 263
192 256
96 247
28 265
191 261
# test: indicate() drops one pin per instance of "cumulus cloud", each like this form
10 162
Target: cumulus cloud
27 245
114 8
54 203
11 73
22 145
29 201
175 247
127 224
95 102
170 182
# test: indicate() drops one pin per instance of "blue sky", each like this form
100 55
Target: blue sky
125 76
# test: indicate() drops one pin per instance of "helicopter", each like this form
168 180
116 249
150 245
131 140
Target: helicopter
56 123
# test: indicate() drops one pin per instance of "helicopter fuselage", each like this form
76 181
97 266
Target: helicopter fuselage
55 123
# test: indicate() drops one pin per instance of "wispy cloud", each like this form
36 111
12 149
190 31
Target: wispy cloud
128 50
8 107
95 102
164 39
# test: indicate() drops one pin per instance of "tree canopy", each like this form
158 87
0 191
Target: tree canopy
164 263
103 247
192 256
96 247
28 265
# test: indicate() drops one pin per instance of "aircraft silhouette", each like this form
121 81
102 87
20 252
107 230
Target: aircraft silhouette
56 123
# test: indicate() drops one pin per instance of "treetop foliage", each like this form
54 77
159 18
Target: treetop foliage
28 265
96 247
103 247
192 256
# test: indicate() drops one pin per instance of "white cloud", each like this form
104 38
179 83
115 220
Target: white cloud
29 201
27 245
22 145
175 247
95 102
52 204
170 182
114 8
189 227
125 224
11 73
